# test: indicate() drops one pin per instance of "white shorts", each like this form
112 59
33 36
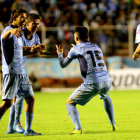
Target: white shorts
16 84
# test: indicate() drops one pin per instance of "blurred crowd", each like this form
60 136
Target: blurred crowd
76 12
70 13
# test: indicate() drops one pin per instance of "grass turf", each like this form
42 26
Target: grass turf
51 119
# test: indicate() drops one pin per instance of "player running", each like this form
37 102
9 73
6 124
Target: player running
95 76
15 80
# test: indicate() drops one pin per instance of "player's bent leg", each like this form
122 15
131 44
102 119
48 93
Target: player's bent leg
69 101
110 111
74 116
4 106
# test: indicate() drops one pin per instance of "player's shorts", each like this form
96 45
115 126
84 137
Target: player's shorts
16 84
86 92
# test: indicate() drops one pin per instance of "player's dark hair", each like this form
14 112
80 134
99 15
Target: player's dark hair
82 32
16 13
33 16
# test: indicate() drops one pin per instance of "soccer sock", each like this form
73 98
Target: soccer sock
28 120
18 109
74 115
11 117
109 109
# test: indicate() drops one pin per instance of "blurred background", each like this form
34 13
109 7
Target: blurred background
111 23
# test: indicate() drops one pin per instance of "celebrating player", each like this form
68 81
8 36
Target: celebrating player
95 76
29 38
15 80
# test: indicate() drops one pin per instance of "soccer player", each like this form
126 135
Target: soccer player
137 41
16 21
29 38
95 76
15 80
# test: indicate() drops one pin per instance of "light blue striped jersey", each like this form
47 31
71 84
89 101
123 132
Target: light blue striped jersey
92 65
29 43
12 54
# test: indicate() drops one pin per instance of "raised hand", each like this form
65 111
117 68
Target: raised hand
59 49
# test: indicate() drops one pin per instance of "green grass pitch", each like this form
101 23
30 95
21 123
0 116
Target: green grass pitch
51 119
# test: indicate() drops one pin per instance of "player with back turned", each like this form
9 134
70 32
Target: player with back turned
95 76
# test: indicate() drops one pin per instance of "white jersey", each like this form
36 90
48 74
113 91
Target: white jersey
12 54
137 38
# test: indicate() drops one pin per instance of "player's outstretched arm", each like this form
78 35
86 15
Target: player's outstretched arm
136 53
17 32
63 61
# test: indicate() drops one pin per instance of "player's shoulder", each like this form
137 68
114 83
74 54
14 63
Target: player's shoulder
7 28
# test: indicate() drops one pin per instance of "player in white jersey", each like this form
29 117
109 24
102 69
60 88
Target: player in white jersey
95 76
15 80
137 41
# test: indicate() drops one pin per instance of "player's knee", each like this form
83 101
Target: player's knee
30 99
33 99
69 101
